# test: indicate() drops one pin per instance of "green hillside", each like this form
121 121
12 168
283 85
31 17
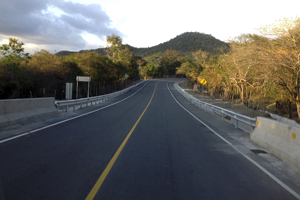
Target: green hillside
184 44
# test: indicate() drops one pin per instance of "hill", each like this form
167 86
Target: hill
184 44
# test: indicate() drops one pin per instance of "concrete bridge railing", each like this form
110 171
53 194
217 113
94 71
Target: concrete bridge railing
16 111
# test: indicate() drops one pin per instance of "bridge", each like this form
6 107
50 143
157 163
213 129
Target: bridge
148 143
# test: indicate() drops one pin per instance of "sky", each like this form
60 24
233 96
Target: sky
74 25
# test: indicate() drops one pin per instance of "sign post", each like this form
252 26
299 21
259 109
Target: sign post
126 77
203 82
69 89
83 79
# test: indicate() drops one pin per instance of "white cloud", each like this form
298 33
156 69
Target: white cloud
148 23
84 24
53 24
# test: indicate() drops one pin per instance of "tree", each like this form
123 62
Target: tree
246 64
46 74
114 44
171 61
13 48
283 56
201 59
186 68
13 53
140 62
122 56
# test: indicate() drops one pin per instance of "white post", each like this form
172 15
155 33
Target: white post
202 91
88 90
77 90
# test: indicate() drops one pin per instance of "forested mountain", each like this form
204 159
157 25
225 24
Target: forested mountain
184 44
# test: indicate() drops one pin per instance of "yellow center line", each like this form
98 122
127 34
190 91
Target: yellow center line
101 179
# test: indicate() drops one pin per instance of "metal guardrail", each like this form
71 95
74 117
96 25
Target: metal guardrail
67 105
239 121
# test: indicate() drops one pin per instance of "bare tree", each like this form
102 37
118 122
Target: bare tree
284 56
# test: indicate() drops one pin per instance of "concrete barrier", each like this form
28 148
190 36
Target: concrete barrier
284 120
15 111
280 139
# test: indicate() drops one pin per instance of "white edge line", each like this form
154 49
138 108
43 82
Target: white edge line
198 118
295 194
39 129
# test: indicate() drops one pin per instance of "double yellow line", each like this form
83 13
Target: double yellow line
101 179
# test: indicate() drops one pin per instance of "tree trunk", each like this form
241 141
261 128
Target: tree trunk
242 94
290 109
247 100
250 98
264 101
297 98
232 94
254 101
298 109
195 86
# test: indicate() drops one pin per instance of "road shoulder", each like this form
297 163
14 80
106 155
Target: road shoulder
241 141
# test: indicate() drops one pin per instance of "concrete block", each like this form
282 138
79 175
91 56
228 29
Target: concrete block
280 139
15 111
284 120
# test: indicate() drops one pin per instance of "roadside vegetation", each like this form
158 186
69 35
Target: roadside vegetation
259 71
45 75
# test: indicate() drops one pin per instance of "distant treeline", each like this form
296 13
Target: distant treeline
45 75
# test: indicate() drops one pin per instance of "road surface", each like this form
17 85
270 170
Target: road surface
145 147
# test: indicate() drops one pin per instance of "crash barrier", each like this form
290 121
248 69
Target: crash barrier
284 120
242 122
280 139
72 105
15 111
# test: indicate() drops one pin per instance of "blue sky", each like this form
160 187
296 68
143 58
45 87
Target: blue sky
56 25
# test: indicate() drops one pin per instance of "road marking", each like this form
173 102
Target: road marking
101 179
295 194
39 129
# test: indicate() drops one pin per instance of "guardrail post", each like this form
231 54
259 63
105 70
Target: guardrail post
236 122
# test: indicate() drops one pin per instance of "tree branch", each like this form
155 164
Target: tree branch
285 85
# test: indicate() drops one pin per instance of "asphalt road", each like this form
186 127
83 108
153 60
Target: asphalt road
168 155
